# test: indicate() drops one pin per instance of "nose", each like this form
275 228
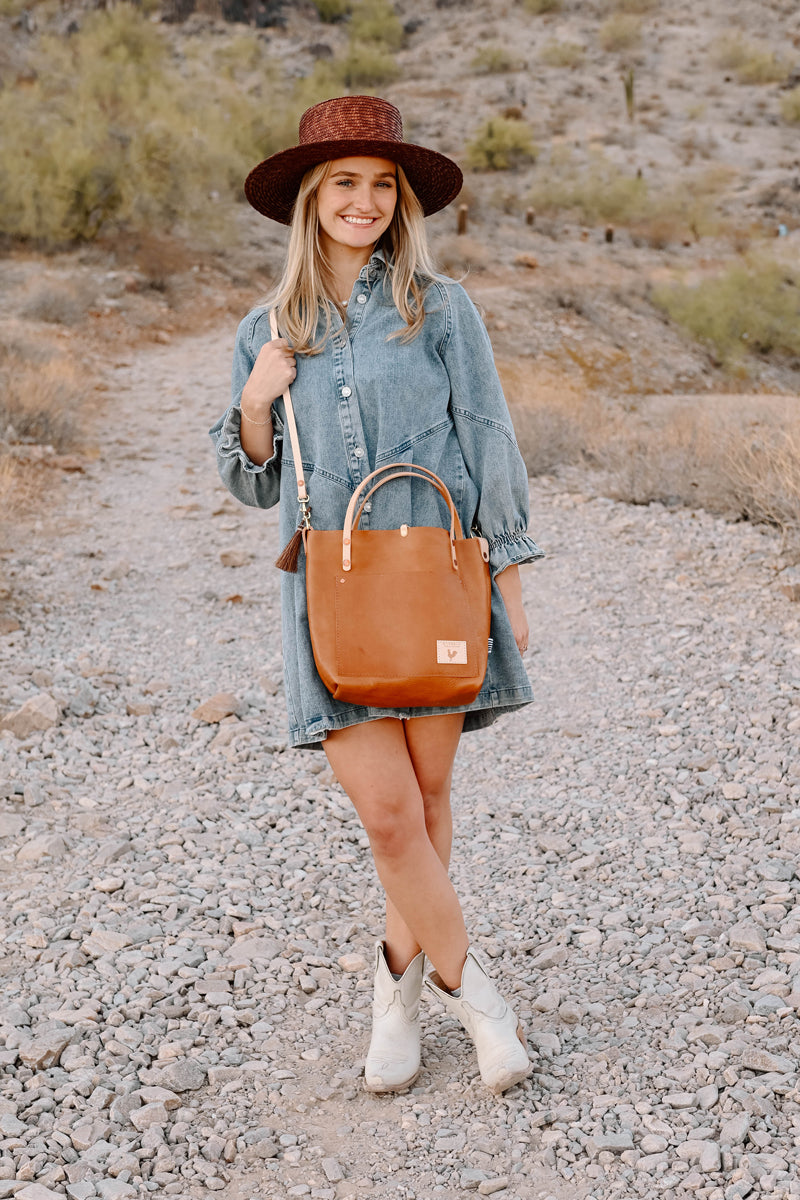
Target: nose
361 199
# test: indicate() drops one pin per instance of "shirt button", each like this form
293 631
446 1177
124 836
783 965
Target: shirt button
362 299
359 453
368 506
346 391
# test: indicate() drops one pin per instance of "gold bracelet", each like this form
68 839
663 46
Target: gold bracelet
250 419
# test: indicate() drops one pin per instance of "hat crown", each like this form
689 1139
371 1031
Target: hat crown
351 118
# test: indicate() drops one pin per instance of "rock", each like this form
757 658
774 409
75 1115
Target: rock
488 1187
653 1143
236 558
46 1047
49 845
681 1100
333 1172
612 1143
183 1075
747 936
352 963
105 941
734 1131
761 1060
35 1191
149 1114
220 706
252 949
707 1096
38 713
550 956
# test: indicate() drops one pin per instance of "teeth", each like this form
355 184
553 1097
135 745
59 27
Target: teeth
359 220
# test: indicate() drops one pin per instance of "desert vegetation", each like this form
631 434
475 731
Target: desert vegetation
618 182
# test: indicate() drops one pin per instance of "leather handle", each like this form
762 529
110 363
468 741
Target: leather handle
412 470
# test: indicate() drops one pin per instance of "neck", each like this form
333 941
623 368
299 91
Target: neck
345 264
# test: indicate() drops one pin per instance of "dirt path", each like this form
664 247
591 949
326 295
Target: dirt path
184 896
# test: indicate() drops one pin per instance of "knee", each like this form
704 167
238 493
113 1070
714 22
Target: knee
392 831
436 805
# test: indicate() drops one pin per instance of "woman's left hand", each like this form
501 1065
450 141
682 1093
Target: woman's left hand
510 587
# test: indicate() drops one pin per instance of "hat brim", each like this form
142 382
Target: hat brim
272 186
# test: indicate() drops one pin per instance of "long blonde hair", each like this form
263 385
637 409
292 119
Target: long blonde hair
306 286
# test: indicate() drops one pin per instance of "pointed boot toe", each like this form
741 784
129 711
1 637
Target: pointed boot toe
488 1019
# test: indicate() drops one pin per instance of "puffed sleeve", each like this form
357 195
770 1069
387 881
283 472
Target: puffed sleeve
257 484
486 435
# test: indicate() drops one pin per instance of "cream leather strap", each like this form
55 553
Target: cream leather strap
302 494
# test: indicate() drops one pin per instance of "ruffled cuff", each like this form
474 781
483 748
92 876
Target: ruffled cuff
510 548
227 438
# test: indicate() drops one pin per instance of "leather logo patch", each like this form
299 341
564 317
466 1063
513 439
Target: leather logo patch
451 652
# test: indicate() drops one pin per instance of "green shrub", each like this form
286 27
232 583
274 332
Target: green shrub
333 10
115 132
599 191
562 54
634 6
366 65
790 106
501 143
494 60
750 61
376 21
542 6
752 307
620 32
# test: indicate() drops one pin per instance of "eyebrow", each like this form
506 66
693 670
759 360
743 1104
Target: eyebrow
356 175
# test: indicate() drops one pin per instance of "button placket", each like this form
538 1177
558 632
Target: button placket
350 417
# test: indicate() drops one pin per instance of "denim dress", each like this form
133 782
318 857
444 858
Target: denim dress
367 400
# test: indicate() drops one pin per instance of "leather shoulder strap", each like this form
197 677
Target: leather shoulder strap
302 494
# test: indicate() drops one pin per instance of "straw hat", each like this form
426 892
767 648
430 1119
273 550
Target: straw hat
340 128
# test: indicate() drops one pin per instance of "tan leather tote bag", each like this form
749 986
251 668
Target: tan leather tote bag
399 618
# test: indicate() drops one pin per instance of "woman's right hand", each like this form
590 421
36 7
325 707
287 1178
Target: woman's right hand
274 370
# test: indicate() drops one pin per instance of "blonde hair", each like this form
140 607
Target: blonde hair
306 286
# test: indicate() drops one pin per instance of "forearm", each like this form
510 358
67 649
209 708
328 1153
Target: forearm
257 433
510 586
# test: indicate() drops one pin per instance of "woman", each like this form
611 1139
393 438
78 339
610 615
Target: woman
388 361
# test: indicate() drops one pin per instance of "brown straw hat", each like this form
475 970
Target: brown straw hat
340 128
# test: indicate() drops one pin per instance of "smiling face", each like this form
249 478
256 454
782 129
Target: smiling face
356 202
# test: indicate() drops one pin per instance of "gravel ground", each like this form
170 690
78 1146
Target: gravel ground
189 907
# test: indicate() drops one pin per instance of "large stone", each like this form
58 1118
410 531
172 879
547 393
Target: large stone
613 1143
38 713
183 1075
105 941
247 950
37 1191
48 845
762 1060
747 936
734 1131
220 706
149 1114
45 1047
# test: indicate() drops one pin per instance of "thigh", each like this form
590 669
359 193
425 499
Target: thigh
373 764
432 745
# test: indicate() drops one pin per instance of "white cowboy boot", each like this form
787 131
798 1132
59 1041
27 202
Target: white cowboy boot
393 1060
487 1018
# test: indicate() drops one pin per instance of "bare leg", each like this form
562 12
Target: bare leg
432 744
384 767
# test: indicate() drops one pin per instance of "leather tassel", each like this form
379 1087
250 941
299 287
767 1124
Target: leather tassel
289 556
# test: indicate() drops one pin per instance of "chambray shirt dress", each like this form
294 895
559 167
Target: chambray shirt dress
366 401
